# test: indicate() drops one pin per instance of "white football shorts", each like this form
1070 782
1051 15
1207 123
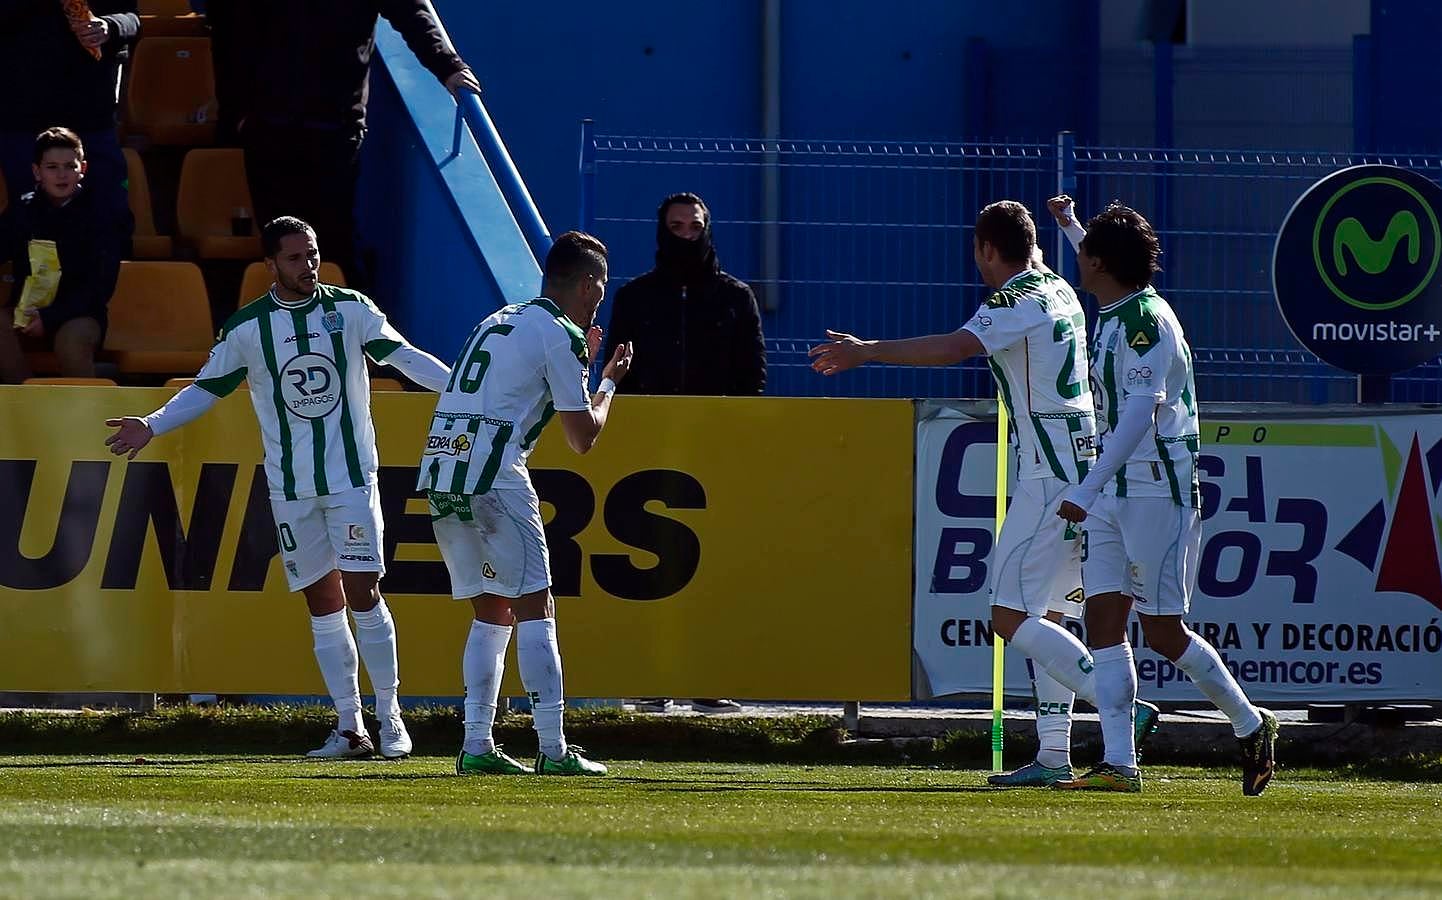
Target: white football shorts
493 543
318 535
1146 547
1036 566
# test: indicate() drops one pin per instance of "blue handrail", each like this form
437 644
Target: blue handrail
470 109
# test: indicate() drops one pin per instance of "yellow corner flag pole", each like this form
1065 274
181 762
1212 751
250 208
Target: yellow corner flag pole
998 646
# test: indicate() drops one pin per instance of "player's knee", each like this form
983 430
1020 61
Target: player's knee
1166 635
1005 621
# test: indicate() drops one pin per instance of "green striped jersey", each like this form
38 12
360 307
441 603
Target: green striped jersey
308 384
518 367
1141 350
1034 332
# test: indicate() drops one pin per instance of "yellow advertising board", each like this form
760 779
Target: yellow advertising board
748 547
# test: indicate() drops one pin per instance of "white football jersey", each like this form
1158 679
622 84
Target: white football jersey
519 366
1141 350
308 384
1034 332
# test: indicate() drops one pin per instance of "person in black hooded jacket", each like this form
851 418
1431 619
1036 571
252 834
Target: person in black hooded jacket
699 327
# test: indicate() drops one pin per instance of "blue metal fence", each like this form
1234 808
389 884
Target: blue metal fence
875 238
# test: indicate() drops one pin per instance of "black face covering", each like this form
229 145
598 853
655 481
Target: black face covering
683 261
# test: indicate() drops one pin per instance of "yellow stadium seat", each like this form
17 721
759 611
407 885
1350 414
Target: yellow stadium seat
165 7
171 98
159 318
257 281
73 382
212 189
146 244
386 384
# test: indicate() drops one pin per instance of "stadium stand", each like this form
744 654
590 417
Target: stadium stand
145 243
212 188
171 97
165 7
159 319
386 384
73 382
257 281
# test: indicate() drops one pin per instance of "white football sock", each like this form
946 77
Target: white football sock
375 633
1116 679
1062 656
540 660
482 665
335 652
1205 667
1053 718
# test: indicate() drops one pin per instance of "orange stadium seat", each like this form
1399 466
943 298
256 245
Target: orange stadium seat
212 188
146 244
73 382
171 98
386 384
256 280
159 318
178 383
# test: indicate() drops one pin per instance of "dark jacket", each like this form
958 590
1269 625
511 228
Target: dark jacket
91 237
47 78
697 330
288 63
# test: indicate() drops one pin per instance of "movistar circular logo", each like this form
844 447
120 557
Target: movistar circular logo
1385 271
1355 269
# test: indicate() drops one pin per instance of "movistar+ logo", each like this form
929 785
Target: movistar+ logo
1383 272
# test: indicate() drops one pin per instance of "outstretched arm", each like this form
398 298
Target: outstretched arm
420 367
845 351
133 433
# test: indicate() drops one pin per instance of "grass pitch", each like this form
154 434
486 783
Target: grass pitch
247 826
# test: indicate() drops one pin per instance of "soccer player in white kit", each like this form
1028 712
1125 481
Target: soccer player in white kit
301 348
521 366
1140 501
1033 331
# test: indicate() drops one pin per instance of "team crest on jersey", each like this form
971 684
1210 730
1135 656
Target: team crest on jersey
332 322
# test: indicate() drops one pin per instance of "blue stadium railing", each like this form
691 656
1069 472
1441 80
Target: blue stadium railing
876 240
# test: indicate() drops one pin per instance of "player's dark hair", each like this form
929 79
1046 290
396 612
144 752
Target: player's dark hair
58 139
573 256
1125 243
687 198
1008 227
277 230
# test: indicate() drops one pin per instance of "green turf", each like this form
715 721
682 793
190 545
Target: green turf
238 826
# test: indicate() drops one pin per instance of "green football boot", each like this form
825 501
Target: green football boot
573 763
1144 722
1104 778
495 762
1033 774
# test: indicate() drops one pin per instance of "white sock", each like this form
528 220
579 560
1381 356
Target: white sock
483 665
540 659
335 652
375 633
1116 680
1058 652
1053 718
1205 667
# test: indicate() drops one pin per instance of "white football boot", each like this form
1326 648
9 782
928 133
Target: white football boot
344 745
395 741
